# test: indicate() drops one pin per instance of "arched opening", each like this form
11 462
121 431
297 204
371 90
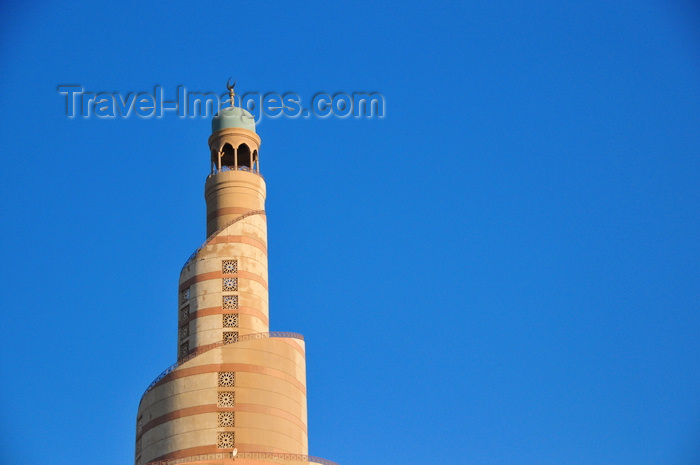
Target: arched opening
244 156
228 157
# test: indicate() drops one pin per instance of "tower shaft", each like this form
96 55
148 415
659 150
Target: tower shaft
236 384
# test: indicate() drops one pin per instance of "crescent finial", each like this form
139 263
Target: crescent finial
231 92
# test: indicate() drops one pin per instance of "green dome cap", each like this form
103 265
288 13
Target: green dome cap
233 117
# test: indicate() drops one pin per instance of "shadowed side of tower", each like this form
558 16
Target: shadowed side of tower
236 387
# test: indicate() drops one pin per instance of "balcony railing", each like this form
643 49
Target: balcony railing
235 168
246 455
201 349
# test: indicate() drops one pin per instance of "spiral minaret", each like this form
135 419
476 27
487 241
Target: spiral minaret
238 391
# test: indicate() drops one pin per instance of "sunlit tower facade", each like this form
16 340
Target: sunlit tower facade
238 391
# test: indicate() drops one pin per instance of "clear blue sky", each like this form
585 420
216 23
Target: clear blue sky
503 270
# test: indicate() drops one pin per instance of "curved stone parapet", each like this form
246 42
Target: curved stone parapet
247 458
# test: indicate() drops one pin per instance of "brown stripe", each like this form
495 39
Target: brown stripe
273 411
199 278
201 450
212 408
183 412
218 274
254 312
295 344
240 240
229 211
244 367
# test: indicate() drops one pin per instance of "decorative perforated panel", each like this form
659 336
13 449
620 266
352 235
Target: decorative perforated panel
229 266
227 419
230 302
230 337
227 378
230 320
184 313
225 440
229 284
184 349
226 399
184 331
138 446
185 295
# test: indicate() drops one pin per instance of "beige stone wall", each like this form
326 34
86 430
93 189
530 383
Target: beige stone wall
231 193
179 417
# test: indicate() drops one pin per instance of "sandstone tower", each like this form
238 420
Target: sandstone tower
237 393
